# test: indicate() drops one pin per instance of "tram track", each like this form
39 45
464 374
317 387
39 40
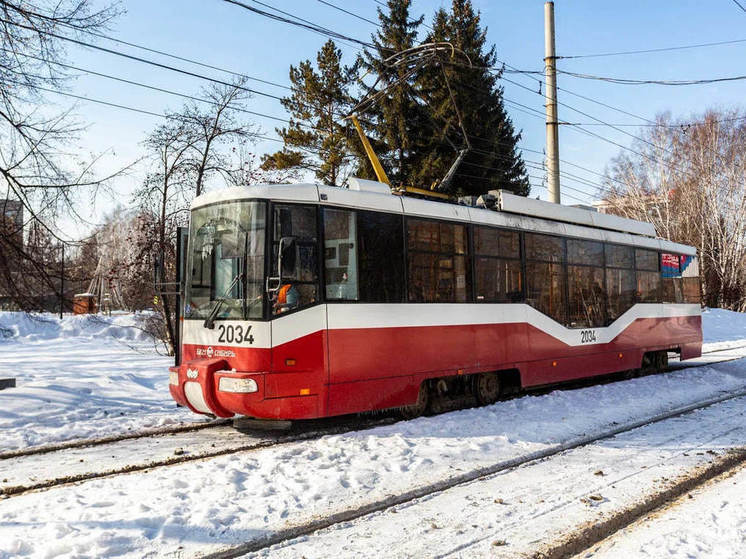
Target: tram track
281 536
584 537
181 444
189 427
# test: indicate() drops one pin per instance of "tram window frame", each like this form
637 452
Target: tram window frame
616 267
315 245
584 256
481 254
388 256
351 269
438 258
648 271
557 258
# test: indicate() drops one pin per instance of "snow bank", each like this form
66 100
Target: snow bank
720 325
24 327
81 377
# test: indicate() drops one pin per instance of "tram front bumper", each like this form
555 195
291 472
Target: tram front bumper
207 386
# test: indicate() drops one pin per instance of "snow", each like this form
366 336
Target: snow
80 377
709 522
83 374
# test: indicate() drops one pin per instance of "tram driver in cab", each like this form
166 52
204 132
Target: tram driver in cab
287 299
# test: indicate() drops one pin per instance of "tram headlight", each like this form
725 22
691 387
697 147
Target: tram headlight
239 385
173 378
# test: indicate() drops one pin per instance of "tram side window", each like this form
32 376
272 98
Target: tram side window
647 276
498 277
437 265
545 275
620 280
671 278
690 279
340 255
296 227
381 257
585 282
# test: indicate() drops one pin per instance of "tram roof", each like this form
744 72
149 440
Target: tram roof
515 212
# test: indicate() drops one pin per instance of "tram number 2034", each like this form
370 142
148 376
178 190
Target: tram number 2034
587 336
235 334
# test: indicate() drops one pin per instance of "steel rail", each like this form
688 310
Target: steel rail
293 532
314 432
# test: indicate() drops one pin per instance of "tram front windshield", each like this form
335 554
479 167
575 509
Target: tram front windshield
226 261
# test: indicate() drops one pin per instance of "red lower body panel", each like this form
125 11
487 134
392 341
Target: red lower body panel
359 369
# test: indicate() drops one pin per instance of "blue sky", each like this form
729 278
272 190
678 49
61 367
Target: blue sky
224 35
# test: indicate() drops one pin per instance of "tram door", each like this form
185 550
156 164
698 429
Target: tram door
297 317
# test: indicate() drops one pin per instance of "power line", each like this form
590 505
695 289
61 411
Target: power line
143 60
348 12
627 81
297 21
646 51
183 71
147 49
739 5
259 136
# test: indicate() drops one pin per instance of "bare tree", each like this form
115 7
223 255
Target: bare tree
165 195
186 152
37 166
213 127
690 181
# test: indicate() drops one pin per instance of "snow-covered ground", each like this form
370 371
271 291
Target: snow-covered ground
200 506
708 522
80 377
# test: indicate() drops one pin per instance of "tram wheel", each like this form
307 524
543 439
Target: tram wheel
419 407
487 388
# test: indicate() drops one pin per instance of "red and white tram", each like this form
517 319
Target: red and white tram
305 301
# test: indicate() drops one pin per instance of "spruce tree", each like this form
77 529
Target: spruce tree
397 115
493 161
317 139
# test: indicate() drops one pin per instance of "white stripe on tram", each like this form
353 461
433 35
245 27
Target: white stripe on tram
340 316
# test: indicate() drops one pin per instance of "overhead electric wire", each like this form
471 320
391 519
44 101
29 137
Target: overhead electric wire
628 81
647 51
140 59
297 22
348 12
147 49
739 5
143 111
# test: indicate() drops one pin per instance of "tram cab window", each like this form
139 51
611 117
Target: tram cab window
340 255
498 276
545 275
295 228
226 261
585 282
437 262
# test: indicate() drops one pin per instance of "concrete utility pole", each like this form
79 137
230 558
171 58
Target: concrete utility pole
550 69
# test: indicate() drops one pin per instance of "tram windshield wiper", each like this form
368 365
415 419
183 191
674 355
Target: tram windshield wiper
210 320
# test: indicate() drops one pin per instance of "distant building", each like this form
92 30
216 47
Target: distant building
11 219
